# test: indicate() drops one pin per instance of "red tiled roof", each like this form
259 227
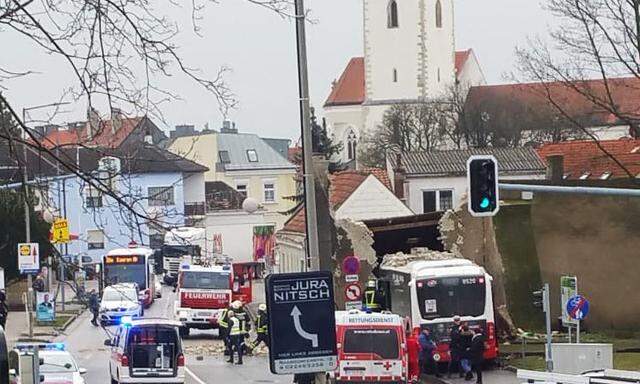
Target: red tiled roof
625 93
104 137
349 89
461 58
342 185
582 157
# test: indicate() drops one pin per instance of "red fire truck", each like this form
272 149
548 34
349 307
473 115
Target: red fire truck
204 291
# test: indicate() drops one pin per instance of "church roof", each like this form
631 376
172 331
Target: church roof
350 87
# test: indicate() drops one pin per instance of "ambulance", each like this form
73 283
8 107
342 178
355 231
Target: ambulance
371 348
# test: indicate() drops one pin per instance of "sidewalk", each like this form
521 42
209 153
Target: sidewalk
18 327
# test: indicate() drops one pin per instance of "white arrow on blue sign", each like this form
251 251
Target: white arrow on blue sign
302 321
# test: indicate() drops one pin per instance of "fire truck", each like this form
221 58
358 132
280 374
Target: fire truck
203 291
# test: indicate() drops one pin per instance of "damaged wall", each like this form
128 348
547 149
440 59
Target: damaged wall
474 239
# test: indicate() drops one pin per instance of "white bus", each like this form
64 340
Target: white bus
429 293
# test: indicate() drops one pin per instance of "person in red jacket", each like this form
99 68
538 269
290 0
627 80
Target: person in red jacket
413 353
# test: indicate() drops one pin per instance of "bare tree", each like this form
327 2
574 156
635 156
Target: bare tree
404 128
589 72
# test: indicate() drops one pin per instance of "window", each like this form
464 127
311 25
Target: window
92 198
252 155
242 188
224 157
585 176
95 239
352 142
156 235
395 75
438 75
438 14
392 14
269 192
446 200
160 196
434 201
382 342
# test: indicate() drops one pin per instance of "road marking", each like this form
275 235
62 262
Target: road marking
193 375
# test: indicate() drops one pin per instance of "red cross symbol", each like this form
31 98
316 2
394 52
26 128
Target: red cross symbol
387 365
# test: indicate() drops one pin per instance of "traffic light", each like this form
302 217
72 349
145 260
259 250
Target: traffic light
482 178
541 298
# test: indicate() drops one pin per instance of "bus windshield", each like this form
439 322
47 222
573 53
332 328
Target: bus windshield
382 342
126 273
450 296
205 280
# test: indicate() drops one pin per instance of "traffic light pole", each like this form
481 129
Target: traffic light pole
546 303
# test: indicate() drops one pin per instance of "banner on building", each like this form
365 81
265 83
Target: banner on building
264 241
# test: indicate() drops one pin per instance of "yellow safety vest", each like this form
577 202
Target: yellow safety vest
236 328
261 324
222 319
370 299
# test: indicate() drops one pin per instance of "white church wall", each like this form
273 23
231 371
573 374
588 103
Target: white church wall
440 48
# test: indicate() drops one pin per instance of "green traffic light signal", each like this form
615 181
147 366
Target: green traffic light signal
484 204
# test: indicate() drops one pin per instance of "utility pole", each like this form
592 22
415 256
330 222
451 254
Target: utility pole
313 249
27 227
547 315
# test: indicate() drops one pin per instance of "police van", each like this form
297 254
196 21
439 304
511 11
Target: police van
146 351
371 348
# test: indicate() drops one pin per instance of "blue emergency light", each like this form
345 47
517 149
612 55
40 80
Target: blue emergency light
126 321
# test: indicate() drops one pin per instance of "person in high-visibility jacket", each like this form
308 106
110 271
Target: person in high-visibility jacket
373 299
223 329
262 327
236 334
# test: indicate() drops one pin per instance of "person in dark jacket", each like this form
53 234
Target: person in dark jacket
4 309
94 306
476 353
465 343
427 347
455 347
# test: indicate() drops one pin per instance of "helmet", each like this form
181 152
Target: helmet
230 314
236 304
371 284
262 307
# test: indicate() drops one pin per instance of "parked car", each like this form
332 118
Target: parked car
118 301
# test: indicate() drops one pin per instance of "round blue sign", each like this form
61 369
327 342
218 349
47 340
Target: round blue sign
351 265
577 307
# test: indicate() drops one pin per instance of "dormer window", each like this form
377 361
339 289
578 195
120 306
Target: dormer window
224 157
585 176
252 155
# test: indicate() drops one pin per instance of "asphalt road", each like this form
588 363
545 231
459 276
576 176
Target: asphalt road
86 343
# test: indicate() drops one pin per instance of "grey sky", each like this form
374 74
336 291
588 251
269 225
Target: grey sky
259 47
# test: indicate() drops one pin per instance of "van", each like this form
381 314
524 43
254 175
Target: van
147 351
371 348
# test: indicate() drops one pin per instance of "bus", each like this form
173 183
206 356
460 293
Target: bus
131 265
429 293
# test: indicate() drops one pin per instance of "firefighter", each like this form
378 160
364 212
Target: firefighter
223 329
238 308
237 336
373 299
262 324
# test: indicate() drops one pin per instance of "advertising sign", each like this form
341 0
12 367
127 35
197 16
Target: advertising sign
60 230
45 307
28 257
302 326
568 289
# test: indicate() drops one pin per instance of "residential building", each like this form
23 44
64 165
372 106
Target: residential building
437 181
590 160
149 191
355 195
536 113
409 57
117 131
246 163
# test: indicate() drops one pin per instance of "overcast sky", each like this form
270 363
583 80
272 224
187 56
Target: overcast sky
259 47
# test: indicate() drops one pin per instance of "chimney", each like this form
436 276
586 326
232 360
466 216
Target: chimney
116 119
399 177
93 122
555 168
228 127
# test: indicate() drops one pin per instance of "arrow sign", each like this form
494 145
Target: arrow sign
302 324
295 313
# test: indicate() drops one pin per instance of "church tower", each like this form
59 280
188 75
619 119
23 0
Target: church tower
409 53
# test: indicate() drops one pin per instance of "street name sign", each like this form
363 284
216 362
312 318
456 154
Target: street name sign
28 257
302 324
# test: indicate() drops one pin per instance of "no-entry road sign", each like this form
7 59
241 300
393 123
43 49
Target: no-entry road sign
302 322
